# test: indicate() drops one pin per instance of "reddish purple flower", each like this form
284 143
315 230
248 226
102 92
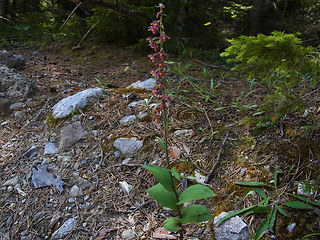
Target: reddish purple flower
163 38
161 74
159 109
152 58
161 85
155 91
166 98
157 119
154 28
161 66
153 44
162 54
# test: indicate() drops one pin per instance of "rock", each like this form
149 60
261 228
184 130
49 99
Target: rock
5 123
129 118
125 186
13 85
77 101
17 105
136 104
19 114
71 134
50 148
75 191
147 84
64 158
291 227
12 60
128 234
41 178
183 133
4 106
12 181
31 152
10 189
142 115
231 229
128 145
71 200
127 160
65 229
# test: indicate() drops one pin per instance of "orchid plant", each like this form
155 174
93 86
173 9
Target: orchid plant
166 192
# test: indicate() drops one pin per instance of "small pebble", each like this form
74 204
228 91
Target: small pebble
10 188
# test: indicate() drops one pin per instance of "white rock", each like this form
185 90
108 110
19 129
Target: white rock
231 229
136 103
291 227
77 101
183 133
147 84
128 234
128 145
199 177
129 118
125 186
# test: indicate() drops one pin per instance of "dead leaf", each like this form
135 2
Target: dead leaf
161 233
175 152
186 150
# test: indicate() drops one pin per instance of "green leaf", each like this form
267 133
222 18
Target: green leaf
172 224
195 213
195 192
164 148
281 211
272 218
230 215
305 199
191 178
276 177
164 197
297 204
250 184
162 175
262 210
175 173
260 192
261 230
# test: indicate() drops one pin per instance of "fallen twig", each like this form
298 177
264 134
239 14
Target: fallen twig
70 15
215 165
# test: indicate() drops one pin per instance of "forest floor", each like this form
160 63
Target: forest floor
236 150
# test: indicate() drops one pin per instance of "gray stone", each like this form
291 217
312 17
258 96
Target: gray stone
75 191
71 134
142 115
5 123
136 103
12 181
13 85
64 158
12 60
17 105
77 101
50 148
128 234
291 227
41 178
231 229
183 133
31 152
147 84
19 114
71 200
128 145
10 189
129 118
65 229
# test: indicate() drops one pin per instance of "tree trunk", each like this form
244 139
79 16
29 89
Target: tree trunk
255 17
4 8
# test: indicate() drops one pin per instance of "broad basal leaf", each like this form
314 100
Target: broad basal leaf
305 199
162 175
195 192
195 213
172 224
164 197
297 204
260 192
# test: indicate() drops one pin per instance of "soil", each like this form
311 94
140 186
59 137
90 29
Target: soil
224 149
